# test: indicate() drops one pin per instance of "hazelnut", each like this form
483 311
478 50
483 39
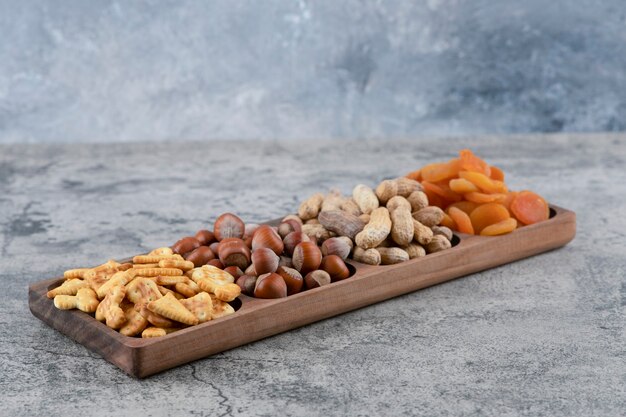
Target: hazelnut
266 237
306 257
233 251
270 285
247 284
200 256
264 261
336 267
316 279
216 263
292 239
235 271
186 244
228 225
337 246
292 278
205 237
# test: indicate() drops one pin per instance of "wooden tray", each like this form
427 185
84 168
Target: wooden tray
256 318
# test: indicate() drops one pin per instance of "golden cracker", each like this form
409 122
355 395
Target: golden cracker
200 306
168 306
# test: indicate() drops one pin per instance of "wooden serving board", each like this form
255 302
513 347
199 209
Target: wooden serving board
256 318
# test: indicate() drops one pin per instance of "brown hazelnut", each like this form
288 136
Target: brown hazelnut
233 251
186 244
216 263
200 256
205 237
228 225
306 257
336 267
266 237
250 270
270 285
337 246
285 261
247 284
235 271
264 261
316 279
292 278
288 226
292 239
215 247
250 229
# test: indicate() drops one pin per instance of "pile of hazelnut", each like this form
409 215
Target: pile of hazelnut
266 261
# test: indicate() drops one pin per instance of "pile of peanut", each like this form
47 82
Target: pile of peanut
386 225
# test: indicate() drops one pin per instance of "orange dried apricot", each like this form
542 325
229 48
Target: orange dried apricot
487 214
500 228
510 196
442 190
471 162
462 220
415 175
462 186
440 171
529 207
496 173
448 222
483 182
481 198
466 206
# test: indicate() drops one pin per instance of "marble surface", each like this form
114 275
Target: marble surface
542 336
111 70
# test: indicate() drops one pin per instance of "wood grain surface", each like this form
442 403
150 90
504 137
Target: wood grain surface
257 318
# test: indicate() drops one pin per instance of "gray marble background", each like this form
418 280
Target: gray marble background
147 70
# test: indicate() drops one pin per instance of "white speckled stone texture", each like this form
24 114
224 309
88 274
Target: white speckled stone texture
542 336
111 70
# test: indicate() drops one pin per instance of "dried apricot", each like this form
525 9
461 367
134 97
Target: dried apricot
500 228
488 214
529 207
415 175
466 206
483 182
481 198
442 190
440 171
471 162
462 186
448 222
510 196
462 220
496 173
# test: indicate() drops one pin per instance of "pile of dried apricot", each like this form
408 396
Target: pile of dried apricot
475 198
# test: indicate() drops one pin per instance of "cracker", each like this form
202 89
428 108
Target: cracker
170 280
200 306
153 259
69 287
109 309
155 319
84 300
135 322
75 273
220 308
119 278
227 292
153 272
142 290
176 263
168 306
162 251
209 277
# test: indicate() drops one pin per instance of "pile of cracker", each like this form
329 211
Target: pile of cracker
153 295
